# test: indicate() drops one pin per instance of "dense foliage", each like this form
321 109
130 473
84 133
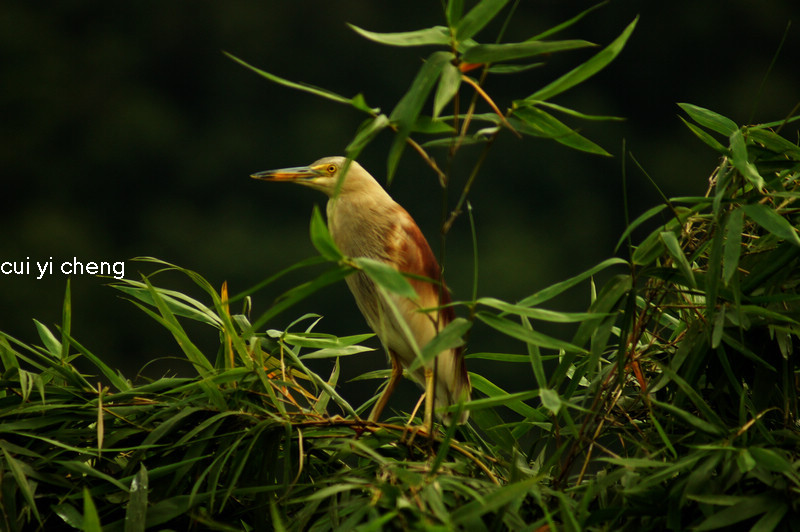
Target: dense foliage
674 404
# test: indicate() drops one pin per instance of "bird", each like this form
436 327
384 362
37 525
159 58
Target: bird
364 221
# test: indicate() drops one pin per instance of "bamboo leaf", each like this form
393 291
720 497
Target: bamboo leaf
493 53
710 119
449 82
435 35
357 102
407 110
552 291
321 237
519 332
772 222
705 137
448 338
136 511
478 17
740 160
675 251
587 69
733 244
385 276
91 520
536 122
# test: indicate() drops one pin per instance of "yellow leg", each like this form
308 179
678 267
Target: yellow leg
394 378
430 390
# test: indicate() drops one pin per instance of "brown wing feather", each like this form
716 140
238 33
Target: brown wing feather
411 251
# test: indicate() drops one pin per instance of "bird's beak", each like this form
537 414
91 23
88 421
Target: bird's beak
299 174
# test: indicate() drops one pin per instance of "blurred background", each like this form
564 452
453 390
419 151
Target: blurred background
125 131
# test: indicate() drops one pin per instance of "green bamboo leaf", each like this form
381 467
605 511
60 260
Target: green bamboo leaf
407 110
746 508
436 35
49 340
321 237
24 486
691 419
66 322
91 520
357 102
450 337
453 11
733 244
566 24
576 114
513 69
537 313
69 514
500 357
646 215
773 142
553 290
180 304
675 251
8 356
772 222
551 400
478 17
113 376
300 292
494 53
367 131
136 511
510 401
500 400
710 119
536 122
740 160
386 276
772 460
706 138
587 69
510 494
519 332
449 82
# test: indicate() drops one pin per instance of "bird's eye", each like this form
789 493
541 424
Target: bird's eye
331 169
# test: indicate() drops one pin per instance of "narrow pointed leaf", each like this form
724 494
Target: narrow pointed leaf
385 276
536 122
136 512
733 244
493 53
587 69
552 291
436 35
450 337
675 251
321 237
740 160
449 82
772 222
357 102
519 332
478 17
710 119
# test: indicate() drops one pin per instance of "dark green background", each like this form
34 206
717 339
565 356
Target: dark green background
125 131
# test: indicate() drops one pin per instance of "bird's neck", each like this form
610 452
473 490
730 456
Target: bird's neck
357 222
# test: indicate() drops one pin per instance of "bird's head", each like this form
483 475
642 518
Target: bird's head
324 175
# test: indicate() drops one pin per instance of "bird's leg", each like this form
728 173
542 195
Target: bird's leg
394 378
430 390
